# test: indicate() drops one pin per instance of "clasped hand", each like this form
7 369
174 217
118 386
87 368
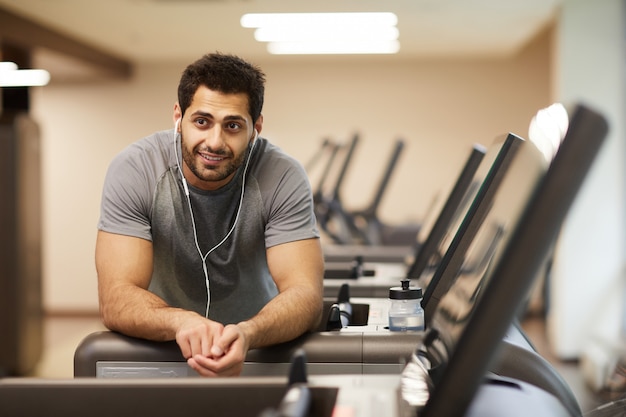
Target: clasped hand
211 348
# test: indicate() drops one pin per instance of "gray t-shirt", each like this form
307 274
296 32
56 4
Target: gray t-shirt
143 196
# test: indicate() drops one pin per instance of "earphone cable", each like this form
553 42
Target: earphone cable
204 257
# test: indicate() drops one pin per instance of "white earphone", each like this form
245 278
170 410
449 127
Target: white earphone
182 176
193 222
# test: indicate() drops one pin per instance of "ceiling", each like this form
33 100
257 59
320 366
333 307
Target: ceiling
136 31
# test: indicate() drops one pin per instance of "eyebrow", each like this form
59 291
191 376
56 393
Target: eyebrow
229 118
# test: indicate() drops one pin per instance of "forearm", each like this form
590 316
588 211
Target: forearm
124 266
290 314
137 312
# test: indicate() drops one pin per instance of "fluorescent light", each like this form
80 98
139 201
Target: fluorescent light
10 76
302 48
8 66
548 128
325 33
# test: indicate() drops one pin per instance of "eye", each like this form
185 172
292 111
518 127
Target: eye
233 126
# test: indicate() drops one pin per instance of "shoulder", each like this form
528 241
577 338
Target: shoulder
148 157
280 174
272 158
157 147
139 166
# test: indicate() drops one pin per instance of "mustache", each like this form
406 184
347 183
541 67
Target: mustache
219 152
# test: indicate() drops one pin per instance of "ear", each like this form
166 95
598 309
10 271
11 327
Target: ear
178 114
258 125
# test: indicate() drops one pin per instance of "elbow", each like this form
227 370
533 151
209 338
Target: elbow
106 315
317 312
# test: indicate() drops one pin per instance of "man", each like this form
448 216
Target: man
207 234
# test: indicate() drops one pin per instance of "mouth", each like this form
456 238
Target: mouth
211 159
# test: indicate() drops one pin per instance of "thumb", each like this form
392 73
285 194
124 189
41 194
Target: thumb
222 343
217 351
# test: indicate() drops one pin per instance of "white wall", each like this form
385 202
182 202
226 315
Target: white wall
587 291
438 107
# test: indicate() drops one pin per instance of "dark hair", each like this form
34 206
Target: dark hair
227 74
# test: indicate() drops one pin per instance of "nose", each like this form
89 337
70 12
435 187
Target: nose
214 138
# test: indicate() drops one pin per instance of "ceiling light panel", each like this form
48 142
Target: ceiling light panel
11 76
325 33
311 34
343 48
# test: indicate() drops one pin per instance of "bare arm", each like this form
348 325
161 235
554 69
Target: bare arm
124 266
297 269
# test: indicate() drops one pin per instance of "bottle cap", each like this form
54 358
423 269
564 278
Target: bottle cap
405 292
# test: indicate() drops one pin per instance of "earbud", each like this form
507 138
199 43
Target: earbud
185 186
184 181
256 136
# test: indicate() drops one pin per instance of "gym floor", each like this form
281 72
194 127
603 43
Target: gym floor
534 326
62 334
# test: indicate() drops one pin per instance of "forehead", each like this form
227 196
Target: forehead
219 104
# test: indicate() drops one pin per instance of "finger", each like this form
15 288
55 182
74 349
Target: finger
234 369
232 362
217 351
201 370
221 367
206 343
222 344
196 345
185 347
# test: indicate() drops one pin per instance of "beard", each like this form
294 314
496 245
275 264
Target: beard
213 173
